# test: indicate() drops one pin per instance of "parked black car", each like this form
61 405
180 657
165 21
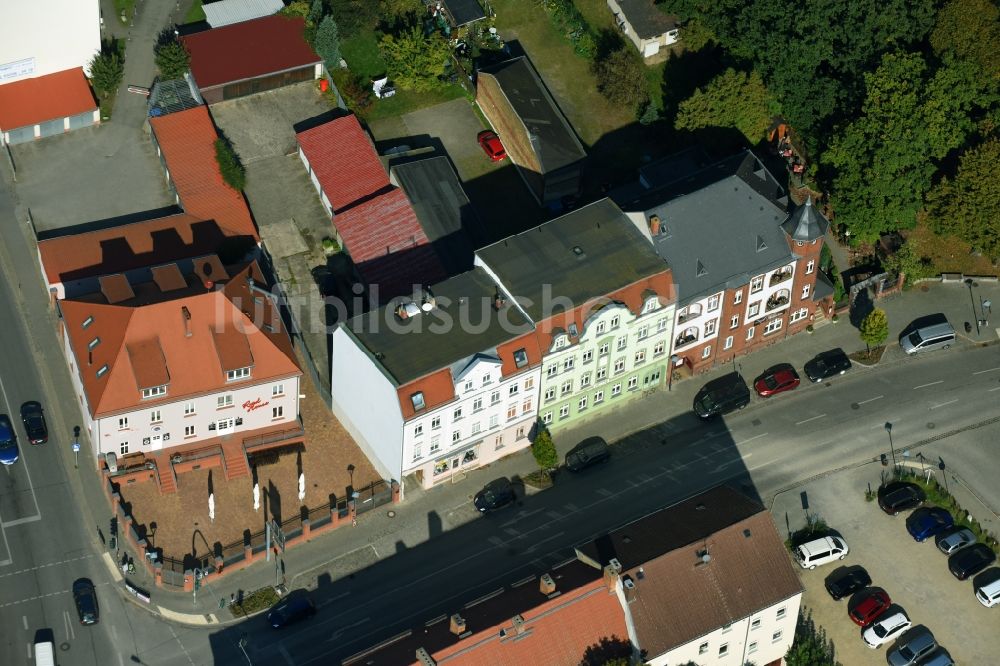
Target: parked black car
900 496
827 364
33 418
970 561
590 451
85 598
722 395
292 609
497 494
847 581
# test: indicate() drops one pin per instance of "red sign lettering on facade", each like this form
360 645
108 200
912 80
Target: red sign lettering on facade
251 405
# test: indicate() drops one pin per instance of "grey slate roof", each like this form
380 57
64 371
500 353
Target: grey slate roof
552 137
588 253
823 288
646 19
412 348
806 223
465 11
720 226
442 208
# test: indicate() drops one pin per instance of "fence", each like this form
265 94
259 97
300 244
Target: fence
375 495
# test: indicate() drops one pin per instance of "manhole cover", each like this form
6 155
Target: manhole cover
755 422
855 405
391 514
64 647
930 425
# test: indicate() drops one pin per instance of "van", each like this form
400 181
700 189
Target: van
821 551
938 335
722 395
590 451
44 654
989 594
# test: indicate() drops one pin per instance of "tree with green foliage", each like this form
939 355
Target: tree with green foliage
621 78
327 43
355 16
544 449
908 262
882 161
874 328
107 68
415 61
968 205
733 99
811 646
172 59
970 30
230 166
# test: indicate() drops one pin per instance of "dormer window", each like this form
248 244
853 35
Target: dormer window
573 330
154 392
651 304
237 374
418 401
560 342
520 357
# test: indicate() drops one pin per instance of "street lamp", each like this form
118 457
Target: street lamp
888 429
975 316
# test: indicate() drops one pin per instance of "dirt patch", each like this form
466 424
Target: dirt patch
179 522
949 254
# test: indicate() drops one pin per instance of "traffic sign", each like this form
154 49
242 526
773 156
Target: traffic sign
76 446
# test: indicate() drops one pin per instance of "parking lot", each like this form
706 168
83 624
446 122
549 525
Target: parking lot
914 574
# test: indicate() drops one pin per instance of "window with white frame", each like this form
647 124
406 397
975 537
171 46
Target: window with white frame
599 397
703 648
585 380
487 378
224 401
710 327
706 352
713 303
520 433
756 284
476 428
477 404
568 363
810 266
494 421
550 393
642 332
729 342
277 389
734 321
435 444
640 356
457 414
560 342
633 383
588 356
529 383
417 399
498 443
494 397
417 453
123 448
189 408
752 647
189 431
772 326
123 423
662 324
547 418
780 614
154 392
567 387
599 329
805 290
527 406
651 304
277 412
238 373
602 374
724 649
738 297
616 389
615 321
659 348
418 430
436 423
754 310
552 370
776 636
468 386
604 348
622 342
456 436
520 358
564 411
155 417
750 332
582 404
619 365
511 411
797 315
755 624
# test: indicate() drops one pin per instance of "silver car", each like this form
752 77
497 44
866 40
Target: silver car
911 646
953 540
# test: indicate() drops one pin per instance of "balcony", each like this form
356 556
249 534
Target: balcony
688 313
780 276
266 438
777 300
689 335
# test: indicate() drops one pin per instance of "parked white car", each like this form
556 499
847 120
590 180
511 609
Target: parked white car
885 629
821 551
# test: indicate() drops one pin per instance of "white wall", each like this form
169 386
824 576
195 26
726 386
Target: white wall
56 34
366 403
173 421
81 398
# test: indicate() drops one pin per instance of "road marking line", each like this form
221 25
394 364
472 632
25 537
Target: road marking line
983 372
29 649
42 566
521 516
940 381
747 441
950 402
176 638
812 419
25 619
116 571
865 402
994 389
284 653
22 458
21 521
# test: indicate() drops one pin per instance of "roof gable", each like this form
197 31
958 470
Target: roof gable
344 161
35 100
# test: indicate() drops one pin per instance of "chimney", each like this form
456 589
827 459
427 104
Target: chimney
546 584
427 301
703 557
629 587
457 625
654 225
424 658
187 318
611 573
209 284
519 627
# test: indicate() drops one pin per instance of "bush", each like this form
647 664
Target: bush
544 450
230 166
569 21
172 59
416 61
107 68
815 528
257 600
811 646
356 94
939 496
622 79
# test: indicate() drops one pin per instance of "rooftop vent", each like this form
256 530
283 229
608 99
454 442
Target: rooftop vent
761 245
701 270
629 589
498 301
703 557
546 585
747 533
577 250
87 322
427 301
457 624
654 225
518 621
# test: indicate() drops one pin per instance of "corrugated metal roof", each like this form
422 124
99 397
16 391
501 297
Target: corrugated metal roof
226 12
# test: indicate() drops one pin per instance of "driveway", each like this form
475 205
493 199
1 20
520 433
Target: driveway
914 574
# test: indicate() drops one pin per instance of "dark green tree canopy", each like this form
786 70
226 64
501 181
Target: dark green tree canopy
968 205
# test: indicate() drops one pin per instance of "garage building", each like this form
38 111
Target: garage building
46 106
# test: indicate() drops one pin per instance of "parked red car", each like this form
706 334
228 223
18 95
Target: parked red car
867 609
491 144
776 379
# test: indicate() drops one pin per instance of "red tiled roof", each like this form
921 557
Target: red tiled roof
131 246
42 98
344 161
249 49
121 328
187 140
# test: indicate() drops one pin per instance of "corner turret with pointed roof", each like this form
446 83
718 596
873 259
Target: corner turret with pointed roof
806 223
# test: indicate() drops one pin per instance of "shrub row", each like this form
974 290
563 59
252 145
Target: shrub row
938 496
569 21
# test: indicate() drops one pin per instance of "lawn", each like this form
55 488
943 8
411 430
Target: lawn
948 254
195 13
362 56
405 101
126 7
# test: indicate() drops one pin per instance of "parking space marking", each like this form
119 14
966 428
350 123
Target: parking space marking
983 372
994 389
21 521
747 441
950 402
812 419
865 402
940 381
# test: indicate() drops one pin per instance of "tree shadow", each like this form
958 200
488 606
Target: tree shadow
274 501
686 72
607 649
